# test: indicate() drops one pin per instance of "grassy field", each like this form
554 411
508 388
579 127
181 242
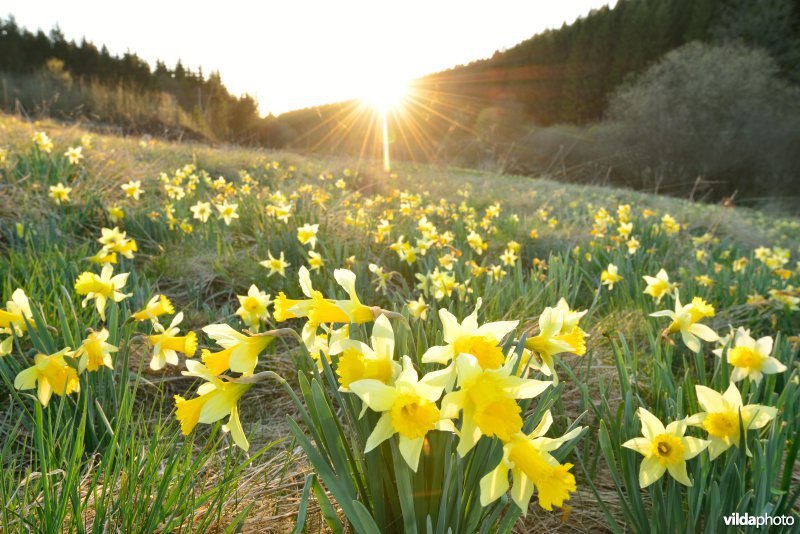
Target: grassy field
106 452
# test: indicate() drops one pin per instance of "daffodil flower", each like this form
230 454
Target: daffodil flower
101 288
487 399
721 417
751 358
658 285
408 408
240 351
685 320
482 342
216 399
253 307
167 344
95 352
664 449
276 265
610 276
14 319
156 306
307 234
359 361
528 459
286 308
558 332
52 374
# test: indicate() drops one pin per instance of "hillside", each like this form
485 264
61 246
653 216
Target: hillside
439 239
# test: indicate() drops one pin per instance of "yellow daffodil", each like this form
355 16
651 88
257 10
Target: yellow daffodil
133 189
558 332
216 399
752 358
240 351
74 155
610 276
658 285
321 344
95 352
156 306
721 417
418 308
253 308
307 234
408 408
276 265
60 193
359 361
315 260
14 319
43 142
467 337
685 320
116 213
487 399
167 344
476 242
101 288
664 449
227 212
532 466
201 211
114 240
52 374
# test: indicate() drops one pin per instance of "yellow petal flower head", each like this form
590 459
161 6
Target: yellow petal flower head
685 320
532 466
721 417
558 332
101 288
13 319
751 358
201 211
74 155
487 399
216 399
95 352
664 449
227 212
408 408
658 285
117 241
467 337
341 311
418 308
52 374
156 306
43 142
359 361
307 234
276 265
133 189
253 308
167 344
610 276
315 260
240 351
60 193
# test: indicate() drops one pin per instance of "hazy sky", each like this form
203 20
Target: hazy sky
294 54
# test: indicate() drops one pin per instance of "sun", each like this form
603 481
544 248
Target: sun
384 94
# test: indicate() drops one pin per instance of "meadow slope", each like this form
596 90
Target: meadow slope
439 238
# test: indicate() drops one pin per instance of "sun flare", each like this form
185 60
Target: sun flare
385 94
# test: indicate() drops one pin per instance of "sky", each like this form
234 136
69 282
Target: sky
296 54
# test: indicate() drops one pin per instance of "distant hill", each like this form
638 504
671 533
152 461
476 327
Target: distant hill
561 76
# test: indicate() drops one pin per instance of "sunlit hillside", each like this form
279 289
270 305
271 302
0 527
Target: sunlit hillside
213 339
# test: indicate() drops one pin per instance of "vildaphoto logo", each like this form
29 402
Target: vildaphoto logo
763 520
